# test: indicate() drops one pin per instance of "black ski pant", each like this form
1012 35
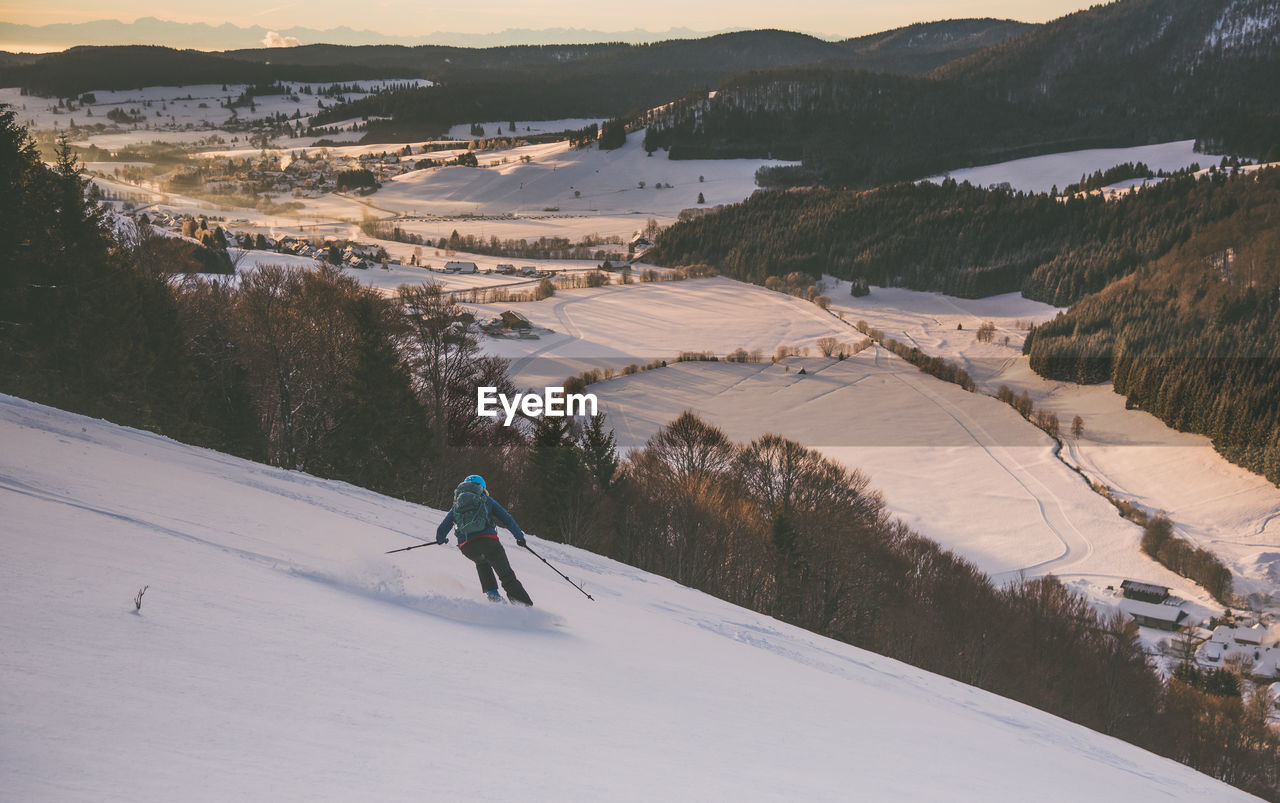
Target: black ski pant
491 558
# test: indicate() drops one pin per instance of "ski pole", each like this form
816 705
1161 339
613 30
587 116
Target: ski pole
557 571
415 546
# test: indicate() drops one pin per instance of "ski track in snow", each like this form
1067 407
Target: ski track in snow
390 590
1075 549
13 486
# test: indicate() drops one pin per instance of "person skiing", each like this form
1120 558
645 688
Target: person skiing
473 513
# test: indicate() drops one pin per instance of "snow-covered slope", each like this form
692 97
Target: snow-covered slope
1043 173
627 180
280 655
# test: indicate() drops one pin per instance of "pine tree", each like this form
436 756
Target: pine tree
599 451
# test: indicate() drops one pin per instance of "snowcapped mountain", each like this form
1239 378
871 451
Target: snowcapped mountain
278 654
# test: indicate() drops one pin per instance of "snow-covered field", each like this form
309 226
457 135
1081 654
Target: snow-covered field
963 468
523 127
1213 504
618 325
179 107
1042 173
280 655
387 279
573 181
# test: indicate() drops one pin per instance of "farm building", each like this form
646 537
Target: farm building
1150 614
1146 592
1246 642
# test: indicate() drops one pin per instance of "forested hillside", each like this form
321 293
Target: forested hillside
83 69
1126 73
959 239
1193 338
595 80
848 126
924 46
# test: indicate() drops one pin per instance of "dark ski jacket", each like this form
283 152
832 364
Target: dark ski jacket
496 511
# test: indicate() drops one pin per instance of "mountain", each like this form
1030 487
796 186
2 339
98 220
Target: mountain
1127 42
202 36
1203 68
277 653
1127 73
927 45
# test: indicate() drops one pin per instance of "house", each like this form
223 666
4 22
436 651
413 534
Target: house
1150 614
529 270
460 267
1244 637
1146 592
1228 641
505 268
1266 662
514 320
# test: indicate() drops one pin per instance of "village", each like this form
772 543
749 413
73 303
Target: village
1242 644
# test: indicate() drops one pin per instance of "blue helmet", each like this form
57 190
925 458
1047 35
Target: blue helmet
478 480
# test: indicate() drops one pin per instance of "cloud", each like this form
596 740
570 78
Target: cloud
273 39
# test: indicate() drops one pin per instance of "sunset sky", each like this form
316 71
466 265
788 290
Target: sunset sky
831 17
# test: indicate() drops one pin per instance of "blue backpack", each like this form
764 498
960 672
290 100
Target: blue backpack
471 511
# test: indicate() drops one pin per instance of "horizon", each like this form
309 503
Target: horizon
825 20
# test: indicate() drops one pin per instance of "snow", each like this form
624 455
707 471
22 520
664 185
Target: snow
606 182
961 468
1213 504
1243 24
279 654
170 110
1042 173
1151 610
621 324
523 127
1050 528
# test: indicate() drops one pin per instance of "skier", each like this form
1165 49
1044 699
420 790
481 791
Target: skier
473 513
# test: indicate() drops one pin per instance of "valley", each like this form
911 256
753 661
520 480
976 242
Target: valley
941 457
937 372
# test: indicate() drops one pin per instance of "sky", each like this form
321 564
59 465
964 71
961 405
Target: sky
832 17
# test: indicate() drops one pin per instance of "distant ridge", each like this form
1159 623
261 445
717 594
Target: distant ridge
202 36
606 78
923 46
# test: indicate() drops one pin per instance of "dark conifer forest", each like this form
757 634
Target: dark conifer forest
960 239
1192 337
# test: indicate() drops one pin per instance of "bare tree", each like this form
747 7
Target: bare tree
445 363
